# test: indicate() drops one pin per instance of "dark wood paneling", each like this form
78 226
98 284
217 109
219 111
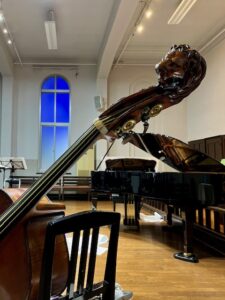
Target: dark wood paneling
198 145
223 145
214 147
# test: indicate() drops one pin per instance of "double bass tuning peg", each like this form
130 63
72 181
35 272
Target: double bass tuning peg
144 118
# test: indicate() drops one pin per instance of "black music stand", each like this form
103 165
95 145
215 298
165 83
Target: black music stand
12 164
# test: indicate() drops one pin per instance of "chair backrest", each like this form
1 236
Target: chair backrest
85 227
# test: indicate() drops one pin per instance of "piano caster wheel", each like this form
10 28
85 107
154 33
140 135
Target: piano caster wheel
189 257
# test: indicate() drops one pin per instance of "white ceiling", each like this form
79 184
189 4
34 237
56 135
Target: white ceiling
103 32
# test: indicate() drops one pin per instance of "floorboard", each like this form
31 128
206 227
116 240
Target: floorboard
146 265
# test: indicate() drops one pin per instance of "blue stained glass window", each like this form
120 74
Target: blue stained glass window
62 107
47 146
49 83
61 84
47 107
55 110
61 138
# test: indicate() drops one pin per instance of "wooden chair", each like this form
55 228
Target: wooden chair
85 227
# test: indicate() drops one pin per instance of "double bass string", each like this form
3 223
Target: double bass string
46 180
39 188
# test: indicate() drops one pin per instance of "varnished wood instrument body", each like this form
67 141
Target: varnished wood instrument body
21 250
180 72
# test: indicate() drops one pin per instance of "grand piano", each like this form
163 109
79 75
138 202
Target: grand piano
198 181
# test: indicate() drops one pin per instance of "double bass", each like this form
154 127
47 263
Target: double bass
22 221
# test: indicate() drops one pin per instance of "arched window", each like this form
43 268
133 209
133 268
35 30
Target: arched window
54 119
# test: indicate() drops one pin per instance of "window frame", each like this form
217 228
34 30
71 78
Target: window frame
53 124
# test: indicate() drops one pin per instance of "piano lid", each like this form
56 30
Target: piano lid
174 152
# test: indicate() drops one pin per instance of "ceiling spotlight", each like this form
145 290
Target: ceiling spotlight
148 13
8 36
140 28
50 30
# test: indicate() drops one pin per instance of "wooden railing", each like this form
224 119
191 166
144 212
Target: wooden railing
77 184
66 184
209 225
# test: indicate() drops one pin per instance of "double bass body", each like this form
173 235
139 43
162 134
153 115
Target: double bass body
21 250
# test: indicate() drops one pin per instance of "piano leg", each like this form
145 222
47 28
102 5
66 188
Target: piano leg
137 208
131 210
125 220
94 200
169 215
188 254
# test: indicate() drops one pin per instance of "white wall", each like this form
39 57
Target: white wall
6 99
6 115
26 107
6 62
206 107
125 80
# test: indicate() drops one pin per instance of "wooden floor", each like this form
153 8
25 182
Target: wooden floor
146 265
